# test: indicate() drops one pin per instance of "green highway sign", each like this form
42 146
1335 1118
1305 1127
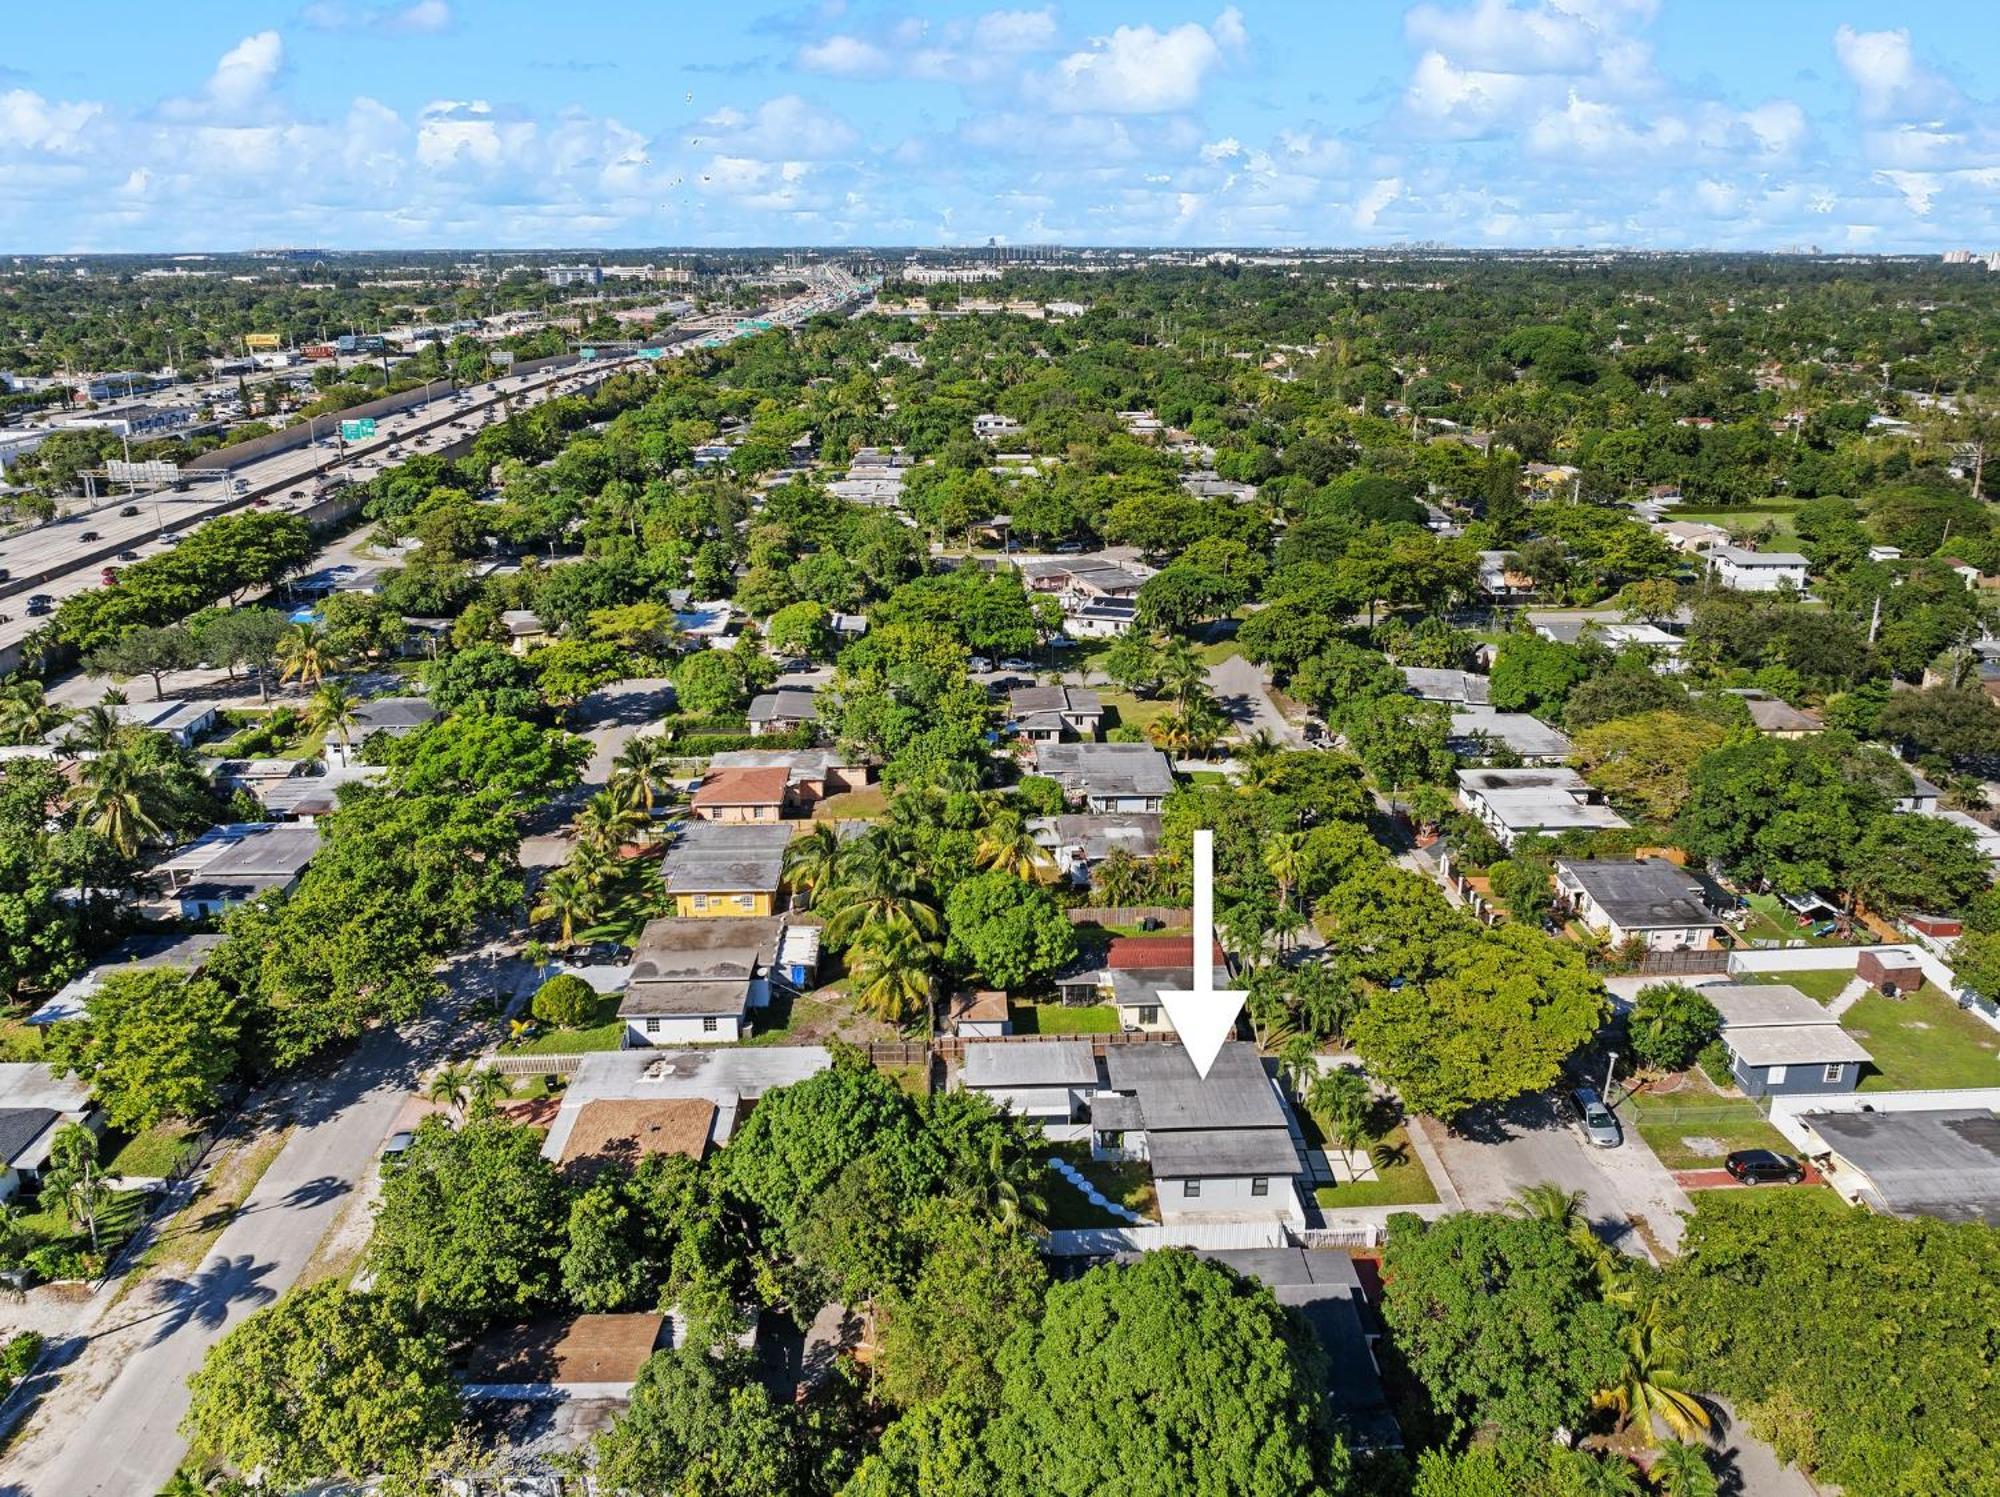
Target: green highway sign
357 431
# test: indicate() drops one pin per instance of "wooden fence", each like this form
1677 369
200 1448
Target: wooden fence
1681 963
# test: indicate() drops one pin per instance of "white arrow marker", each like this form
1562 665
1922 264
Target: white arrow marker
1205 1015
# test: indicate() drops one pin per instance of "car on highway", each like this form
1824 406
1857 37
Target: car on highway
298 493
262 501
108 577
128 511
169 538
1594 1120
34 598
128 555
1760 1166
89 535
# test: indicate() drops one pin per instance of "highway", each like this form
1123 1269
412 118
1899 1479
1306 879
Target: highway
68 556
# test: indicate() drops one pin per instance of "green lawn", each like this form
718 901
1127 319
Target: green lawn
153 1153
19 1041
1681 1128
1122 709
1405 1183
1130 1185
871 804
1922 1042
1821 984
601 1033
1777 512
1771 921
1059 1018
117 1219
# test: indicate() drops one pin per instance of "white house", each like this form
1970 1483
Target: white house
1050 1081
695 981
1758 571
1511 802
1646 897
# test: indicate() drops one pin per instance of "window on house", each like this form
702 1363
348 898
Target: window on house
745 901
708 1025
652 1026
1191 1188
1260 1185
1149 1014
700 902
1833 1073
1774 1075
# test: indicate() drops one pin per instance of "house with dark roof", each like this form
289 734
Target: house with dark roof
723 868
1077 844
1649 898
1132 974
696 981
1221 1147
1782 1043
34 1104
1049 714
783 711
580 1358
186 954
398 717
227 865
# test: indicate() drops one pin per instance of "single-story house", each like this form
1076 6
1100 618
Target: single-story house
739 795
1511 802
624 1130
1645 897
227 865
711 624
398 717
1984 837
722 868
1924 799
1758 571
180 720
784 710
810 774
1527 736
1501 580
1109 777
695 981
187 954
34 1103
1103 618
1222 1146
1079 843
524 630
1461 688
1691 537
1132 974
1940 1162
1776 717
1049 714
1050 1080
1781 1043
583 1357
979 1014
1092 584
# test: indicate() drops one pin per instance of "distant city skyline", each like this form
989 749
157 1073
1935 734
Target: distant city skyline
1643 124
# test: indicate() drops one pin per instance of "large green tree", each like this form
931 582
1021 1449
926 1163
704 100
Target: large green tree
1006 930
154 1043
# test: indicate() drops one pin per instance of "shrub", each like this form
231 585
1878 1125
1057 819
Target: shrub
1714 1063
565 1000
1041 796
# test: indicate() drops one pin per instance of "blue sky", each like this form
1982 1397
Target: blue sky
211 124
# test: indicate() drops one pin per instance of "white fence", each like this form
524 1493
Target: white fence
1098 1242
1820 958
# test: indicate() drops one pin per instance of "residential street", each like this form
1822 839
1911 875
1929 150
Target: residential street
1240 690
111 1426
1527 1143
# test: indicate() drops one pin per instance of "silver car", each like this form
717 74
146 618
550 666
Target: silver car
1598 1123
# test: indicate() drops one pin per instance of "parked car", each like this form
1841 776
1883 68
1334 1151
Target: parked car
1760 1166
1016 663
5 575
1596 1121
1069 548
397 1146
795 665
979 663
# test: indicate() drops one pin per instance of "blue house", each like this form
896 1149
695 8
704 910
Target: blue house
1783 1044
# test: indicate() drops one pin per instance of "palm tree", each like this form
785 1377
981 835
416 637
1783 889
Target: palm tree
567 898
1652 1385
606 823
1260 756
119 801
889 976
1006 843
1117 879
485 1087
333 711
639 773
1284 859
1549 1203
1183 673
26 713
450 1086
1344 1098
97 729
71 1176
879 889
1608 1476
813 863
306 655
1682 1470
1005 1191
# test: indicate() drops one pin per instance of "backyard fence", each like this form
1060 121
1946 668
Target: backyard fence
1681 963
1134 914
536 1065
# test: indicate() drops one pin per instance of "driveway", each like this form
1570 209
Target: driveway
1494 1156
110 1427
1239 689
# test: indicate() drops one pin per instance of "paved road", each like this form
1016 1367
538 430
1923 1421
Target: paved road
1527 1143
1240 689
111 1427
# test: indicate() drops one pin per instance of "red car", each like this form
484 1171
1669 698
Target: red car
109 576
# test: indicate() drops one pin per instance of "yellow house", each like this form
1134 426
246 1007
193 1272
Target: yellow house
725 868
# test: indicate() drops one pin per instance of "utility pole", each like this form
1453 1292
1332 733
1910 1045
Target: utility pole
1875 620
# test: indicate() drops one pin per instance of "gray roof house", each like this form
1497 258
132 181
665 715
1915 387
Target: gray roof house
1511 802
783 710
1109 777
1645 897
1220 1147
694 981
227 865
34 1103
1080 843
1942 1162
1049 1080
731 863
1049 714
1782 1043
139 954
1462 688
1533 740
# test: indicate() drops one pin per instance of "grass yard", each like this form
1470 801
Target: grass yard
1695 1128
1124 710
1771 921
1058 1018
1922 1042
1404 1183
1777 513
1129 1185
871 804
1821 984
180 1244
155 1152
20 1041
117 1219
601 1033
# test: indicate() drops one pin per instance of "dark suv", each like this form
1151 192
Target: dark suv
1760 1166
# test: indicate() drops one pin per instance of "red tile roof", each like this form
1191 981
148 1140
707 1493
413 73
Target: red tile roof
743 787
1143 953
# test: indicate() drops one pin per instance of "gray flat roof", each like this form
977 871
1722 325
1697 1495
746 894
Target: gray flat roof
787 703
1525 734
1107 768
1644 894
718 998
1236 1093
1177 1153
245 851
1823 1043
673 949
1942 1162
1749 1005
1012 1063
720 857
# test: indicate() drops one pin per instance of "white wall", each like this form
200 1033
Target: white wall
1229 1195
679 1030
